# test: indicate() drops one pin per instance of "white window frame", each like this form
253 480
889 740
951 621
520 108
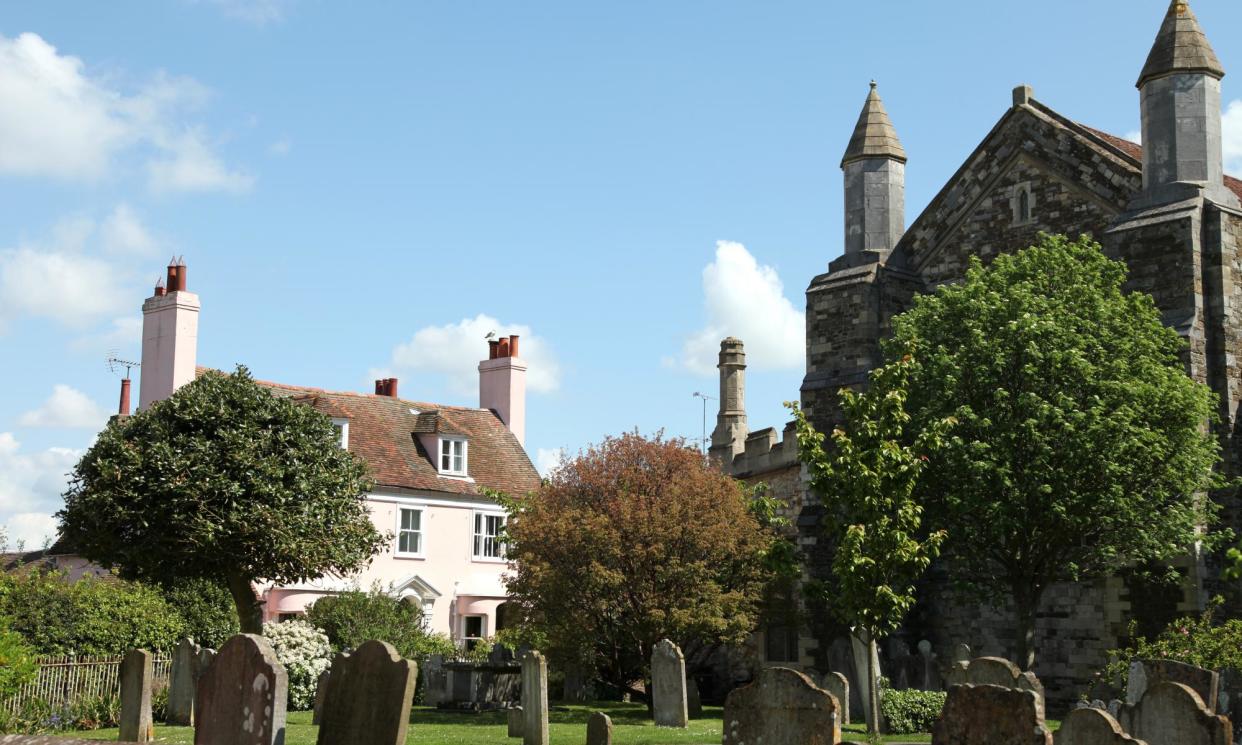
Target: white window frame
448 442
465 640
479 519
344 425
422 533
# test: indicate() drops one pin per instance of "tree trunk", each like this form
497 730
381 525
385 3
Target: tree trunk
873 686
1026 601
249 607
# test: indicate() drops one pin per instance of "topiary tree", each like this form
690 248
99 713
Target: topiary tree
1081 444
207 609
352 617
634 541
223 481
866 481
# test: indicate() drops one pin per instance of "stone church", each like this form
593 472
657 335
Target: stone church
1166 208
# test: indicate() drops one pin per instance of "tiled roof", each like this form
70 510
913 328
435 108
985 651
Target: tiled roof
382 431
1180 47
1135 151
874 135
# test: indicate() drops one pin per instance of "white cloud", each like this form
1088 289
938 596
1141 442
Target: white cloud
1232 138
66 407
30 489
280 147
189 164
453 351
121 338
257 12
746 300
60 279
122 232
548 460
60 122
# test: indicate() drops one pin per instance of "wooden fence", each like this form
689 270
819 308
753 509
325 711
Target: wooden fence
62 680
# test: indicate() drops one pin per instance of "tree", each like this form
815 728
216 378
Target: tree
634 541
866 482
1081 445
222 481
206 607
353 617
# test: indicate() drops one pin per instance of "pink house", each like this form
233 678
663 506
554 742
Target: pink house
431 464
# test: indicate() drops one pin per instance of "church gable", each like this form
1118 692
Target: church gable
1035 171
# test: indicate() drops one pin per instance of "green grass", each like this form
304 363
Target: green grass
631 726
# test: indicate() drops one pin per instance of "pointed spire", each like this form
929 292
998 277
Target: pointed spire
874 136
1180 46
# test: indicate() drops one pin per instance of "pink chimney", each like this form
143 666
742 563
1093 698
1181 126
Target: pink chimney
502 385
169 337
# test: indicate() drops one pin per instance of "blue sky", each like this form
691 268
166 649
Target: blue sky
369 187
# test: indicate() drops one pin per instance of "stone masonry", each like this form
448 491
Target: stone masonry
1166 209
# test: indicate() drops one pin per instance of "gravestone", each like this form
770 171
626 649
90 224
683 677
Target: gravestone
781 707
1173 714
1092 726
599 729
990 715
1001 672
931 667
534 699
668 685
435 681
241 697
841 659
862 674
321 693
515 721
369 695
839 685
1146 673
182 681
694 703
136 675
962 653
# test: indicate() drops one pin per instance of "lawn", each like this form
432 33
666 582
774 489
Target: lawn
631 726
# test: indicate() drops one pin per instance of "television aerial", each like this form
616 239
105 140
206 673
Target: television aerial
115 364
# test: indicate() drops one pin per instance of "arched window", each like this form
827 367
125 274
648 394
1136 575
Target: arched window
1024 206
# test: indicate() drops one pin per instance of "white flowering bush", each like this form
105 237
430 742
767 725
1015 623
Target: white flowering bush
305 652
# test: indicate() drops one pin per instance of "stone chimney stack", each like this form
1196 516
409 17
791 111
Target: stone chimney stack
875 182
729 436
1180 93
502 385
169 337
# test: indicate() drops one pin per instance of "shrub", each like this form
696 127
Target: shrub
207 609
17 663
36 716
87 617
1200 641
354 617
910 712
305 652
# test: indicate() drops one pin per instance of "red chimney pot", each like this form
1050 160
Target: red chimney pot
493 347
379 387
392 387
504 348
123 408
513 345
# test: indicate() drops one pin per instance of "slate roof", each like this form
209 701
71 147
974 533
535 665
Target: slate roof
382 430
1181 46
874 135
1135 151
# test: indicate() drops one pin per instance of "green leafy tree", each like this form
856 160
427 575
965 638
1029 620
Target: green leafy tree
223 481
866 481
353 617
1081 444
634 541
17 662
207 609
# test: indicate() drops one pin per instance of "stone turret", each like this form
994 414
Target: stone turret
729 436
1181 109
875 182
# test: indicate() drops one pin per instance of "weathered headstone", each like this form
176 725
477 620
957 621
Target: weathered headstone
515 721
864 655
241 696
534 699
599 729
668 685
321 694
694 703
839 685
781 707
435 681
990 715
137 672
931 667
1001 672
1146 673
962 653
369 695
1173 714
182 682
1092 726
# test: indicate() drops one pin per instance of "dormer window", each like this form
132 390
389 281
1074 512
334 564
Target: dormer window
342 430
452 456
